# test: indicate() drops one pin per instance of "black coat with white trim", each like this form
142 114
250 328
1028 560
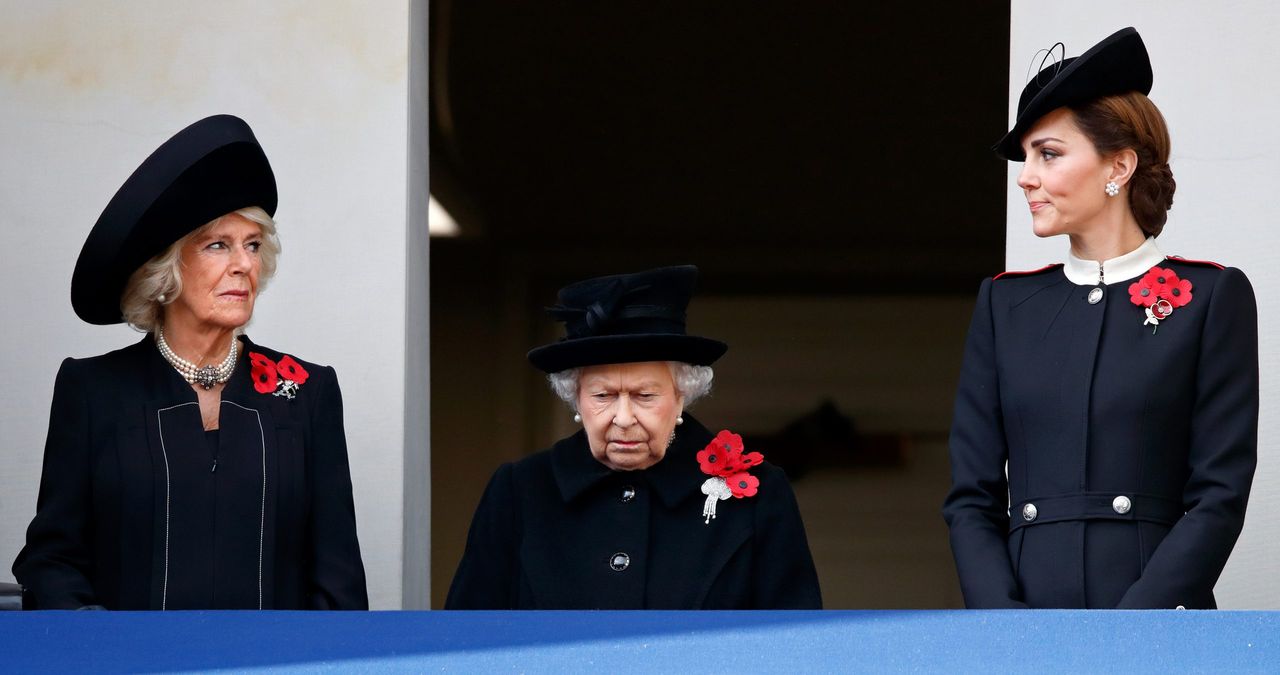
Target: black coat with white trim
1086 404
122 427
549 526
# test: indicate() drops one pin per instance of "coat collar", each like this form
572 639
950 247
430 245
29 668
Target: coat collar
1133 264
167 385
674 478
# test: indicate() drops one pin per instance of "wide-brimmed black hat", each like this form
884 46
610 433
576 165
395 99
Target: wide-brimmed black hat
1117 65
209 169
627 318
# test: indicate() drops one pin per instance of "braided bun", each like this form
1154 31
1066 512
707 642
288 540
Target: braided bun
1114 123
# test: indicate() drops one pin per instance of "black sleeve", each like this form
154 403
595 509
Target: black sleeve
784 575
1224 453
335 578
977 506
486 576
56 563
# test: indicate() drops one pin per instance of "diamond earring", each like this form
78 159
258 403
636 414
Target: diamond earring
577 419
1112 189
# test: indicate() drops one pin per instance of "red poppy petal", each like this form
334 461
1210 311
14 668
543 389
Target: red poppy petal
729 441
1183 294
264 379
292 370
742 484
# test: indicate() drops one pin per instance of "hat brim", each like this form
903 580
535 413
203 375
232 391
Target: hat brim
605 349
207 170
1117 65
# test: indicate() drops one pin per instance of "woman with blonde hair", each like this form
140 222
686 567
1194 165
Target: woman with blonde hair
193 469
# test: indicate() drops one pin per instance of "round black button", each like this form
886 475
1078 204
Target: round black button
628 493
1177 292
619 561
1161 280
1146 292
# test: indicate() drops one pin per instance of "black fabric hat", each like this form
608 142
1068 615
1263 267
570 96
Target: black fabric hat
1117 65
627 318
209 169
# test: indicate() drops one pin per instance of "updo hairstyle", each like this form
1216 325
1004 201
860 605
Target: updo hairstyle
1132 121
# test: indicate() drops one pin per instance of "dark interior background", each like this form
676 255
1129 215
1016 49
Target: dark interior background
827 165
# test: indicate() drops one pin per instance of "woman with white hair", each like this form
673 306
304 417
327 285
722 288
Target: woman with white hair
643 508
193 469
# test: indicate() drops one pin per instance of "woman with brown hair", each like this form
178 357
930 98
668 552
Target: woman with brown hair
193 469
1105 429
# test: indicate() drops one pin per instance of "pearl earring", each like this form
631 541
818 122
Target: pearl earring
577 419
160 298
679 420
1112 188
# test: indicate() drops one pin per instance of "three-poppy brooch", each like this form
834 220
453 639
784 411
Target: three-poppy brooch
1159 291
282 378
724 460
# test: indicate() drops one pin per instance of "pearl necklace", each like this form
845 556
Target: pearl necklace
206 376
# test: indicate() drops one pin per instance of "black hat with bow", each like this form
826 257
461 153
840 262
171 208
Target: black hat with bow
207 170
627 318
1117 65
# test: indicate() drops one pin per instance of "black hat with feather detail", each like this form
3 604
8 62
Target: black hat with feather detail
1117 65
627 318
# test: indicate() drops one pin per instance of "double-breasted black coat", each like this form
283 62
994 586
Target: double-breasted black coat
1130 452
140 509
559 530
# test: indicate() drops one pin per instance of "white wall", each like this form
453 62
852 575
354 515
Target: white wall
89 89
1215 76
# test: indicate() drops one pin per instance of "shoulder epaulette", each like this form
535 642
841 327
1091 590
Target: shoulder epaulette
1027 273
1206 263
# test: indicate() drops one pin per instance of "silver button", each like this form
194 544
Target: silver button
1095 296
1029 512
619 562
628 493
1121 505
1180 607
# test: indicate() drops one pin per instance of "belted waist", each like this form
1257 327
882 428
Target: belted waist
1095 506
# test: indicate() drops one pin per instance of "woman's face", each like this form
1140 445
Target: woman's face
629 411
219 276
1064 178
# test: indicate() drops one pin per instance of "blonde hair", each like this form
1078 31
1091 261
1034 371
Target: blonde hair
140 304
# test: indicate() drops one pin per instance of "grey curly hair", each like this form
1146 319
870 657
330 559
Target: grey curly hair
692 382
140 304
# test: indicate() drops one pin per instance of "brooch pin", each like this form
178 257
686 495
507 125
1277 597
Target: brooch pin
1159 291
278 379
724 460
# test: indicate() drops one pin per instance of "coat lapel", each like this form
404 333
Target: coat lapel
250 455
705 548
173 425
247 456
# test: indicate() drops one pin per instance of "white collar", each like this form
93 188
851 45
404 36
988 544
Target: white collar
1132 264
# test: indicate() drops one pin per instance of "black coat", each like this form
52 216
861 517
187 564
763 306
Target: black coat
134 514
1087 405
550 528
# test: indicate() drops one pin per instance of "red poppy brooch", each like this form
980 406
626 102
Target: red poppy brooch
1160 291
281 378
724 460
